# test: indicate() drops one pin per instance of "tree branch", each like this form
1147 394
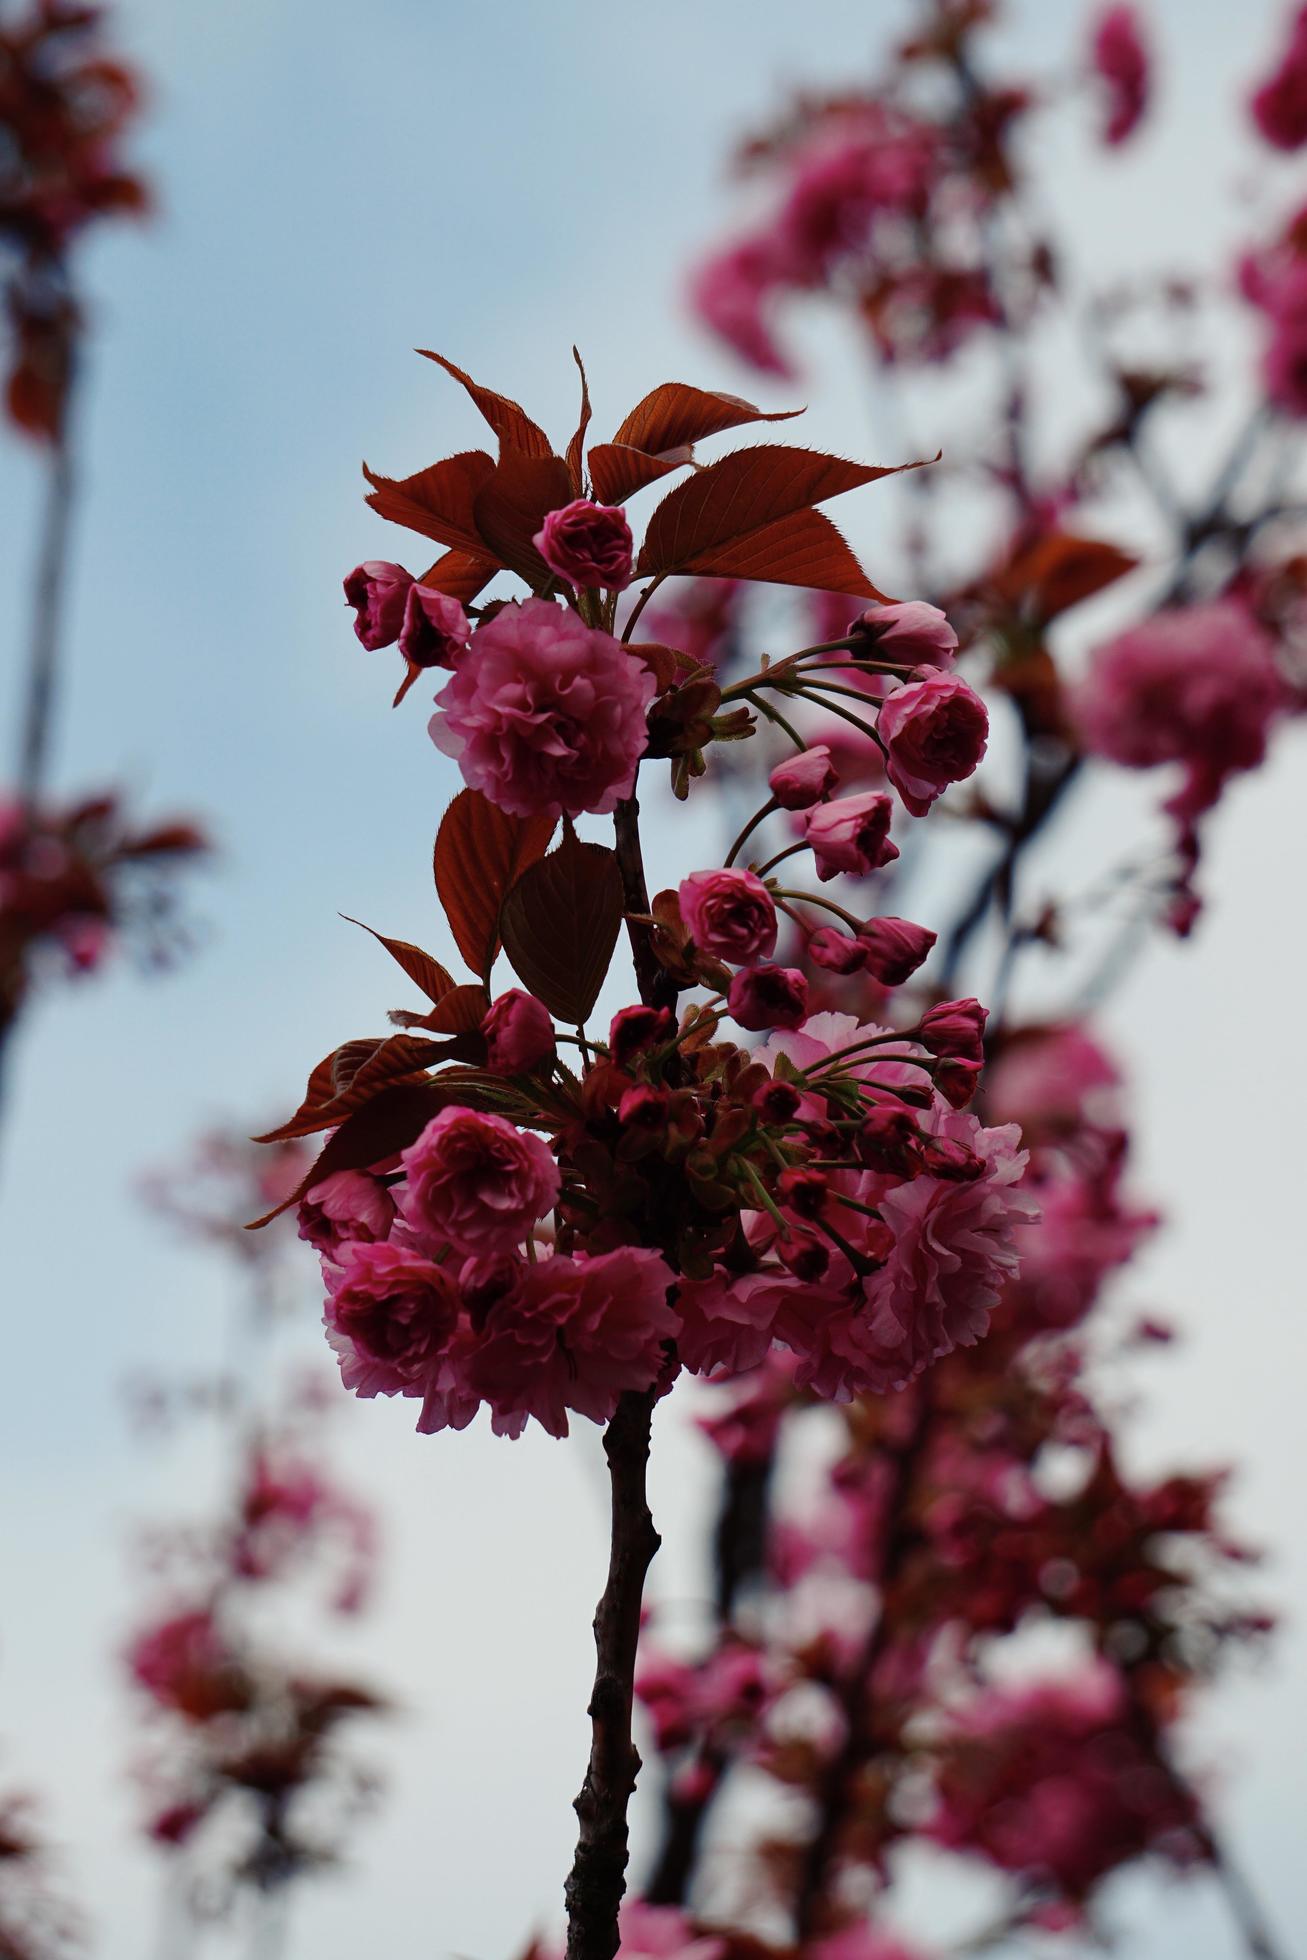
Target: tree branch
598 1877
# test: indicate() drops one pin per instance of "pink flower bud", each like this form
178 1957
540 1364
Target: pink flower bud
636 1028
851 834
805 1256
894 949
519 1034
768 997
1118 54
914 633
729 915
935 731
436 629
378 592
587 544
804 1191
889 1141
802 780
957 1081
955 1028
643 1108
837 951
776 1102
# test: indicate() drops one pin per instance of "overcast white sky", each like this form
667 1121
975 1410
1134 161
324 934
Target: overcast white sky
341 184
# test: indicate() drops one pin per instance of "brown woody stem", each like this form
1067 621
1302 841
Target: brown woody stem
597 1880
47 610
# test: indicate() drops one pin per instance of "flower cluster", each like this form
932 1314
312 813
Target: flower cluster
65 106
74 881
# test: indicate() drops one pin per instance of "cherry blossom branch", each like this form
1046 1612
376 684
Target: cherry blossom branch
597 1880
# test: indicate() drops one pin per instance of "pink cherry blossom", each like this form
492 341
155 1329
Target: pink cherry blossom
768 997
436 629
1279 105
911 632
1197 685
476 1182
378 591
851 834
1121 60
347 1205
570 1334
545 715
804 779
390 1315
935 731
519 1033
729 915
587 544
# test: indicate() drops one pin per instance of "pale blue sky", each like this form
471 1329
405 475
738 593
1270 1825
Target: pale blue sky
338 185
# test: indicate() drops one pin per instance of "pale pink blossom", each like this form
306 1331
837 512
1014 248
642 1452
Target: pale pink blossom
545 715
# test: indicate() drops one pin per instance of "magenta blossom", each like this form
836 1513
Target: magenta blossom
804 779
1120 58
587 544
378 592
911 632
1279 106
390 1315
476 1182
893 949
1198 685
729 915
763 997
935 731
851 834
519 1033
546 716
436 629
569 1334
347 1205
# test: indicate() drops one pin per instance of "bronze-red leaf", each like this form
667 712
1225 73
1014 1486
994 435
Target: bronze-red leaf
480 853
674 414
437 502
731 500
511 506
560 923
507 418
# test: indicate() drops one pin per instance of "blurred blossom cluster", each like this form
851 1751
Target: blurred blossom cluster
67 103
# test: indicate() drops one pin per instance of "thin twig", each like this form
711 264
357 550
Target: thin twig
47 610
